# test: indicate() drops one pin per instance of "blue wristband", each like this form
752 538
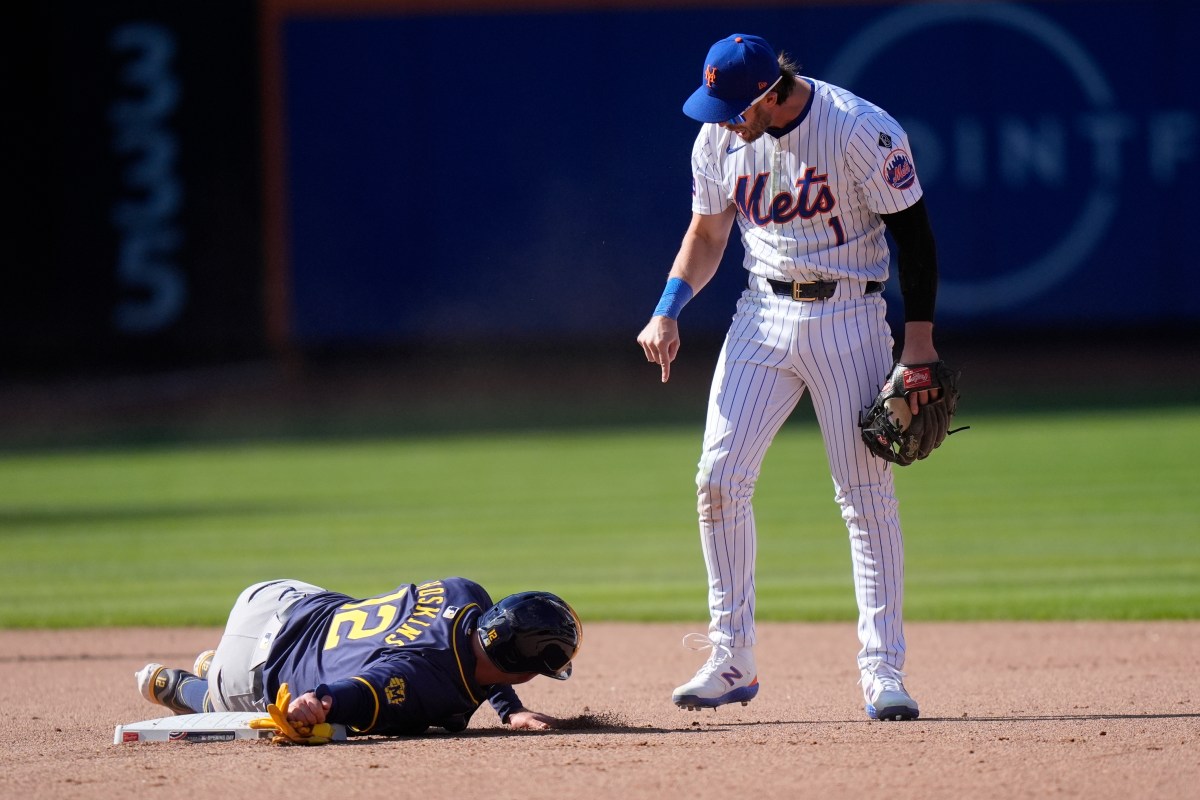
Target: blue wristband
675 296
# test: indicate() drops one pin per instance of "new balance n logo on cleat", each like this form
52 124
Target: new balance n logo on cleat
727 677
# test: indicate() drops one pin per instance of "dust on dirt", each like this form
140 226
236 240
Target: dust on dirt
1008 710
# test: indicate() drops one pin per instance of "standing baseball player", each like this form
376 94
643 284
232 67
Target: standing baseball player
814 176
420 656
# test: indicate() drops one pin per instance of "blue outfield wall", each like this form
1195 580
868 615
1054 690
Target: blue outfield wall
512 176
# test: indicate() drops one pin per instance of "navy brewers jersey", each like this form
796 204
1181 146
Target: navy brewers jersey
396 663
810 196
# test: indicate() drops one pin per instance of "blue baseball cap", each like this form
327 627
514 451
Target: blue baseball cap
739 70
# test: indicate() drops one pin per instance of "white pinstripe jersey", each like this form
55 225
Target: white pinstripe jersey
809 202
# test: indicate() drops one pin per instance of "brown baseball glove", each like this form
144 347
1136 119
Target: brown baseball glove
892 432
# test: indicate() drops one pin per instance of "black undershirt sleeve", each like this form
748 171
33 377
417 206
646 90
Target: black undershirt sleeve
917 256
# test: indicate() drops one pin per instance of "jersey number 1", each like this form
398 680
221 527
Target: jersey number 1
836 224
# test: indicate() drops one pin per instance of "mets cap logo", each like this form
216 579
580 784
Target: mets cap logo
710 76
898 170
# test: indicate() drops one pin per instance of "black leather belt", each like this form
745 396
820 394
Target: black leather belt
815 290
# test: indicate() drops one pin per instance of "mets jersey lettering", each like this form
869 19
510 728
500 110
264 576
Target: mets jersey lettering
810 196
784 206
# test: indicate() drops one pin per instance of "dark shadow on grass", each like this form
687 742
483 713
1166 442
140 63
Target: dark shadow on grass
437 392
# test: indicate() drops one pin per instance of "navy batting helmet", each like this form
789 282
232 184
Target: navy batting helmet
531 632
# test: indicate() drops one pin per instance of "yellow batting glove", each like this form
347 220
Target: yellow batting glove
287 732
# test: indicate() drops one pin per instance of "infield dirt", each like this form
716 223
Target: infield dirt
1009 710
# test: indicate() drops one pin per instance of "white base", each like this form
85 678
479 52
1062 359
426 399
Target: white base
217 726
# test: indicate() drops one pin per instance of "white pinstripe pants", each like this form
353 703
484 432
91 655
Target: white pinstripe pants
776 349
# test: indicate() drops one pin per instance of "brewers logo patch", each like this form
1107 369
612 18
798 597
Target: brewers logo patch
395 691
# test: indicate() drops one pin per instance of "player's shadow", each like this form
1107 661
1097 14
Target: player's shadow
608 730
604 723
963 719
1060 718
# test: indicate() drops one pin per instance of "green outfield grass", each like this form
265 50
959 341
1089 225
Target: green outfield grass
1038 516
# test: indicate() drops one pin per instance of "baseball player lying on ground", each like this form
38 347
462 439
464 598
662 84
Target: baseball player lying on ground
418 657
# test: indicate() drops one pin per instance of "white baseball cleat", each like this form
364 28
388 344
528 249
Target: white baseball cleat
160 685
729 676
885 695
